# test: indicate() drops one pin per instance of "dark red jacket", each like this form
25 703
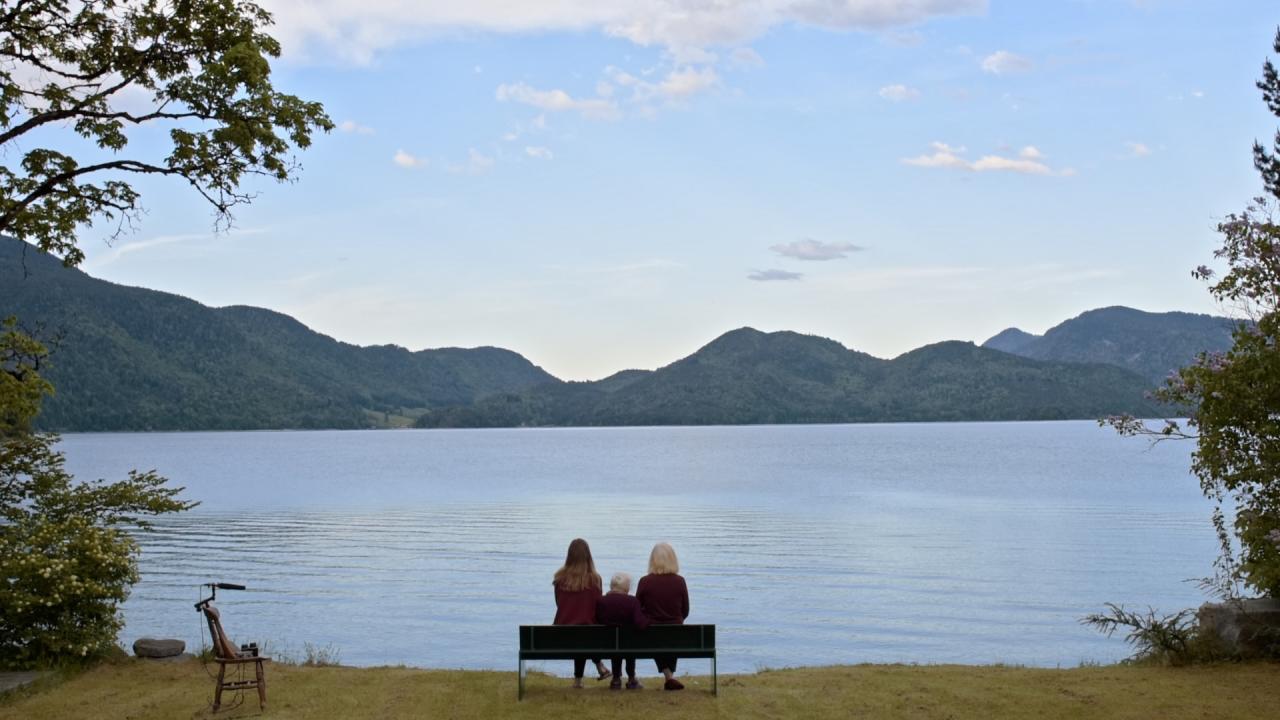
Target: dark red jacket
664 598
576 607
618 608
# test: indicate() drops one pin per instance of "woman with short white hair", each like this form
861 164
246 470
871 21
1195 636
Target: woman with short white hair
664 597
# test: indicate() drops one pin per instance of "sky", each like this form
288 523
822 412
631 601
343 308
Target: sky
611 184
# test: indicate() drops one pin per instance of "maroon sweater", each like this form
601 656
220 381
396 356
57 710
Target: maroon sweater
664 598
619 608
577 607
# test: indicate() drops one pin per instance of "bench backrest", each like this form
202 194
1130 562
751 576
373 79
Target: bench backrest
561 641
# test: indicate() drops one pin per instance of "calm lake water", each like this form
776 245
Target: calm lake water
927 543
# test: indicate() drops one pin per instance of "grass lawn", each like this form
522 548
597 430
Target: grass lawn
137 690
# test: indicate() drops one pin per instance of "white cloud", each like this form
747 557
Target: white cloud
357 29
477 164
351 126
809 249
1003 62
557 101
1137 149
878 14
771 275
943 156
691 55
899 93
684 82
678 84
519 130
405 160
745 57
540 153
622 77
1019 165
119 251
1029 161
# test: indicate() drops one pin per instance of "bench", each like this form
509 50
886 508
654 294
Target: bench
566 642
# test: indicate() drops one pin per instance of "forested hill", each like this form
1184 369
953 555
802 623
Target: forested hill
1152 344
128 358
747 376
134 359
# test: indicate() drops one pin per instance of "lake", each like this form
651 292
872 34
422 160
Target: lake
805 545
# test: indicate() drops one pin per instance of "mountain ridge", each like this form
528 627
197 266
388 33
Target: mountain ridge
1151 344
139 359
749 377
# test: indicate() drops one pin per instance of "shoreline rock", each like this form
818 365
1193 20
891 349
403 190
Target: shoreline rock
158 648
1246 628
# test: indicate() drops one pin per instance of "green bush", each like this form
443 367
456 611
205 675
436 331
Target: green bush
1158 639
67 559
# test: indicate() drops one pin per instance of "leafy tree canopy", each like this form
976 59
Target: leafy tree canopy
102 68
67 559
1235 396
99 70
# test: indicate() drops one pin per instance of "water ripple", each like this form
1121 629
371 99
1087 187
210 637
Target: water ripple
805 545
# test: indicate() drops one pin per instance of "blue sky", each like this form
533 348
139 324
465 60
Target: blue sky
611 184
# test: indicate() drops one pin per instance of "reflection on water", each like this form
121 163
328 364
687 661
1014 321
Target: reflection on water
805 545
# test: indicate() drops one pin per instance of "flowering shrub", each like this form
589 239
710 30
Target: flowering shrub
66 557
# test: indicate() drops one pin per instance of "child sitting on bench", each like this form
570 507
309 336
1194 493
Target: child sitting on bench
621 609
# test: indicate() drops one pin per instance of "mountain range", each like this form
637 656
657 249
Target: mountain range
129 358
1150 344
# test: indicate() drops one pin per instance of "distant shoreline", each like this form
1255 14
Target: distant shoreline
587 427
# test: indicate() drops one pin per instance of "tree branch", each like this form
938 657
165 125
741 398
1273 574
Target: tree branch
71 112
53 181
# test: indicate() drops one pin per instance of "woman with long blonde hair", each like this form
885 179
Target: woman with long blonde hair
578 589
664 597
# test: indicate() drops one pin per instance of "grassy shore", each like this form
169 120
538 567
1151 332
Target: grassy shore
140 690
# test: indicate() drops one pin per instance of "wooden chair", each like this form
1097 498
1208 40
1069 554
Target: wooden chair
225 653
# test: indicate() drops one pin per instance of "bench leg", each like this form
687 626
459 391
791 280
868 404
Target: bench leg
520 682
715 680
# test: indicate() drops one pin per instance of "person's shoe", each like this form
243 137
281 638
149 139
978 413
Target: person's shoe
634 685
673 684
603 674
577 683
616 684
